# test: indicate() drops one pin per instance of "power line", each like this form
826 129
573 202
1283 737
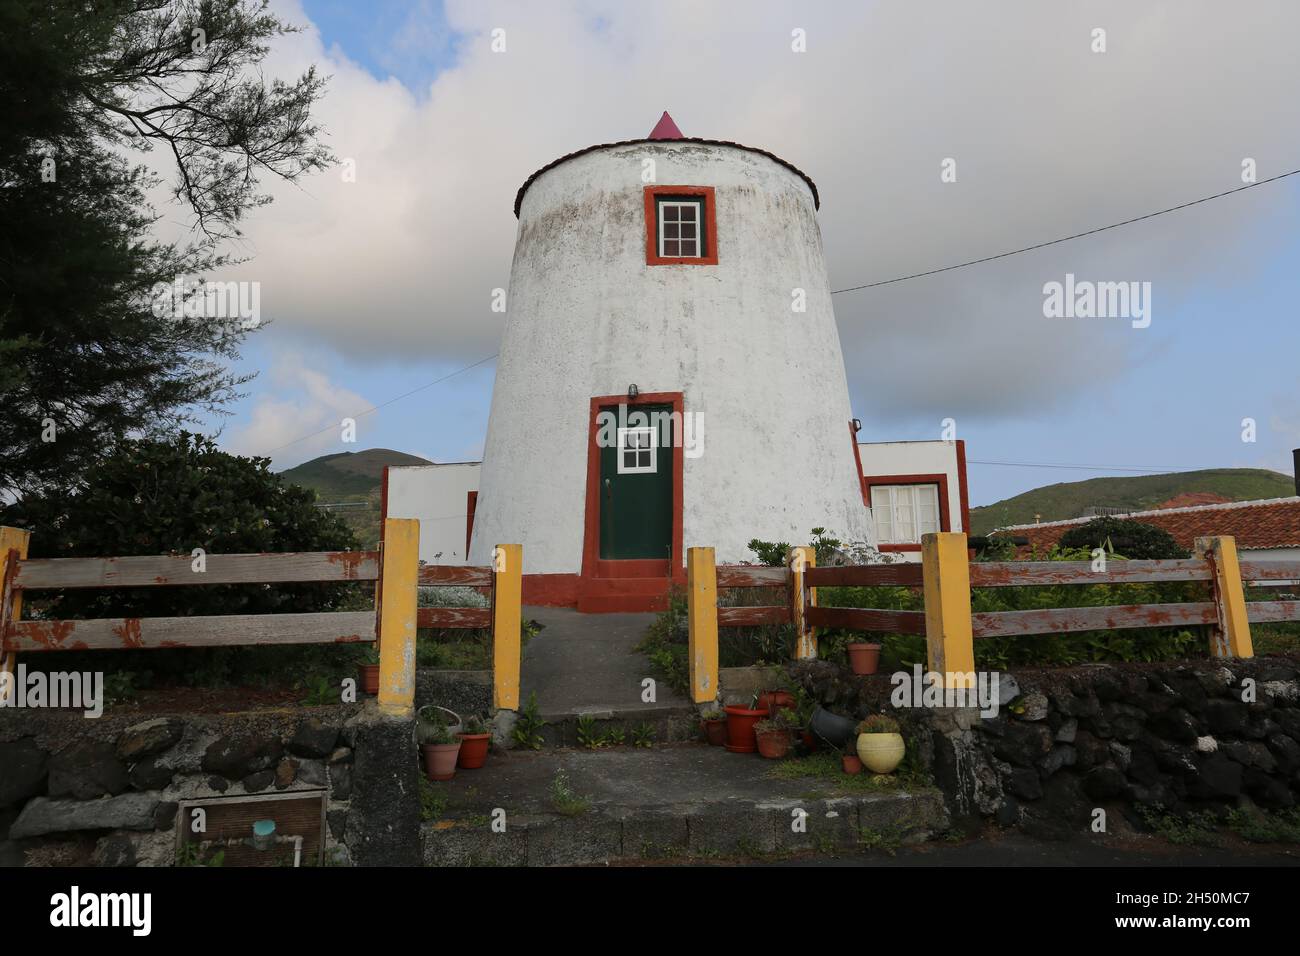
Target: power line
1142 470
385 404
1077 235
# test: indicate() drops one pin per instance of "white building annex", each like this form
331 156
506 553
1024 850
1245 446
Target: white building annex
670 377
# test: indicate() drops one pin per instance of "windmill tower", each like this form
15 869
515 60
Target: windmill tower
671 373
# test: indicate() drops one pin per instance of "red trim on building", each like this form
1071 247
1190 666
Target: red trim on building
962 491
594 568
470 504
652 257
945 522
551 590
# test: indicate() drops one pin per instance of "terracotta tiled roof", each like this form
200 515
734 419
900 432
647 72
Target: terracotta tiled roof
1267 523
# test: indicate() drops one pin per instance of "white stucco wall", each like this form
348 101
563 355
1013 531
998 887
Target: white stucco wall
587 317
917 458
438 496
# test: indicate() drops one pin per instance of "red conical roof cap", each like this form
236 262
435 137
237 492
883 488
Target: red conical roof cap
665 129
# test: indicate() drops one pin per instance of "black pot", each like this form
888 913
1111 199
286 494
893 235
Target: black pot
832 728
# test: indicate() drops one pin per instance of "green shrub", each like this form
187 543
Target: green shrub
1133 539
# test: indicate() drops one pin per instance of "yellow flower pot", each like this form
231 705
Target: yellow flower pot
881 753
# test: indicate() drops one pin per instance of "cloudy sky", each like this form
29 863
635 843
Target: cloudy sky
377 288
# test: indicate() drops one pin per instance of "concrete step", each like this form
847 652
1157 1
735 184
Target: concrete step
616 595
668 724
673 802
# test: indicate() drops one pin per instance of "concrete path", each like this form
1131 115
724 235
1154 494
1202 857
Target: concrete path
586 662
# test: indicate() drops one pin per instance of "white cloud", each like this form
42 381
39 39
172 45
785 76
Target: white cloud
1049 139
297 414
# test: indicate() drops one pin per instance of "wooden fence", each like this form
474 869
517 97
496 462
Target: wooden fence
946 576
392 622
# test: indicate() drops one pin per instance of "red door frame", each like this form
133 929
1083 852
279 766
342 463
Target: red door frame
592 565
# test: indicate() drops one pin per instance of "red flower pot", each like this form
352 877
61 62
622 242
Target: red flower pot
809 740
773 700
740 729
473 750
369 674
774 744
440 760
715 732
852 764
864 658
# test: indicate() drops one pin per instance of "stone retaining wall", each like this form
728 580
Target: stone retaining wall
1164 738
75 791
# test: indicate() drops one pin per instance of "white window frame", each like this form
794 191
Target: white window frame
652 448
695 203
904 496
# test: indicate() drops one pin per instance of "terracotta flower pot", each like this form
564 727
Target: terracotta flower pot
773 700
440 760
809 740
864 658
852 765
881 753
473 750
740 729
773 744
715 732
368 675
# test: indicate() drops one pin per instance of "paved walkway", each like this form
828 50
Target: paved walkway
587 662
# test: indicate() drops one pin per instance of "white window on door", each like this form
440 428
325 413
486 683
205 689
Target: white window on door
902 513
637 450
680 228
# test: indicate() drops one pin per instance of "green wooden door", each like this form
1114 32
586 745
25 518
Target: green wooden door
636 487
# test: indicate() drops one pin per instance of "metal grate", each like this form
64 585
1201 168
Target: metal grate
297 813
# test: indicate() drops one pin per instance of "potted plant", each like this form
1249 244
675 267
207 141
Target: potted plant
714 723
880 745
368 671
475 738
774 700
740 727
774 736
864 658
803 712
849 758
438 746
837 731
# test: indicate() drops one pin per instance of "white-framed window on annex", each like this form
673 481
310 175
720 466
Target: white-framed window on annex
638 452
902 513
681 227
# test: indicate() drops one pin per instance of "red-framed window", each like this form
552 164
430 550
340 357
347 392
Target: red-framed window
904 507
681 226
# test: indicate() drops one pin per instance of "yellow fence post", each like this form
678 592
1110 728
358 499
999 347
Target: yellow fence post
507 600
702 621
400 572
1231 638
12 541
801 598
946 569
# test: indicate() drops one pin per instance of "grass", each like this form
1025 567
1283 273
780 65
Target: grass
1281 827
564 799
1200 828
825 767
433 801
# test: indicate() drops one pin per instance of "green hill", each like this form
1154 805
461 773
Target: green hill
352 476
343 476
1136 493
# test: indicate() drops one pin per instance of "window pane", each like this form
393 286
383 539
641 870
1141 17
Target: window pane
688 230
882 511
688 247
643 458
629 459
670 230
688 213
670 213
671 247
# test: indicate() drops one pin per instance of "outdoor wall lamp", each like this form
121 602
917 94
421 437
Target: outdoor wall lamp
857 425
632 392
